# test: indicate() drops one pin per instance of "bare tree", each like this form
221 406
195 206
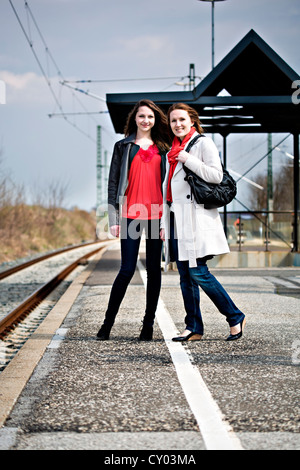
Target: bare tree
51 195
282 191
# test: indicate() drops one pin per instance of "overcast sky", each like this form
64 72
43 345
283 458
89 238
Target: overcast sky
113 40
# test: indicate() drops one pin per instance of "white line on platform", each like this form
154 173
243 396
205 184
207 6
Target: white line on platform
216 433
282 282
58 338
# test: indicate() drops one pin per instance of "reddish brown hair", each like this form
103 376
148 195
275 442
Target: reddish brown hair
191 112
159 133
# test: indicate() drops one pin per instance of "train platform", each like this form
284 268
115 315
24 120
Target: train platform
66 390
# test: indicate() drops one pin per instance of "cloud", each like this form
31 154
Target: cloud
145 45
27 88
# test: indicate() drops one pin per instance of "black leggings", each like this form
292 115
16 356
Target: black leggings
131 231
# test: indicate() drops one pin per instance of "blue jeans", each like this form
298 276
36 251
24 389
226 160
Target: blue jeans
131 232
191 279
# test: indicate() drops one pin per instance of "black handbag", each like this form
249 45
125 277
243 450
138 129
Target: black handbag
210 194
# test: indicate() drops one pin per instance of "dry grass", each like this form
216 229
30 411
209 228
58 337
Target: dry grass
26 230
42 226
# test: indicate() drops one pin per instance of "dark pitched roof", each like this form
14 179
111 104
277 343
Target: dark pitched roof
259 90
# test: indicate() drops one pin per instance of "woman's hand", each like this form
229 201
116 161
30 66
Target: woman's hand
115 230
162 234
182 156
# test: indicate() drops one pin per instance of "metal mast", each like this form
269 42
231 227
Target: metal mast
99 168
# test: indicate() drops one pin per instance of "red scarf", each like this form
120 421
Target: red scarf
177 146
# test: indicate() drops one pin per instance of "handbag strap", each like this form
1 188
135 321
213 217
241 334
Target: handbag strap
193 141
188 148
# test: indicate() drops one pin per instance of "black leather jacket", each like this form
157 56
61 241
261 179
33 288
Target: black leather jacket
123 154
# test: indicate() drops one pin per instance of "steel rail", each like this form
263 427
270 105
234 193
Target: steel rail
26 264
22 310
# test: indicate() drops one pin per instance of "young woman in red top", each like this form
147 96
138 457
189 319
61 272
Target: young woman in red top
135 183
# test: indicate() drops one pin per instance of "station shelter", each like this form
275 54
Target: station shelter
261 97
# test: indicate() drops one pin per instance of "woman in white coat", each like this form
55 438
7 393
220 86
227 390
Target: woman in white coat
194 234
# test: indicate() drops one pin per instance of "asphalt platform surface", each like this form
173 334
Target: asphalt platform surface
125 395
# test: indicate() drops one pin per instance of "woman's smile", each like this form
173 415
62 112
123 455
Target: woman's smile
145 118
180 122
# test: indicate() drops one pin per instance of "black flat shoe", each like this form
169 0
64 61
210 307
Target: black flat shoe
190 337
146 333
103 333
237 335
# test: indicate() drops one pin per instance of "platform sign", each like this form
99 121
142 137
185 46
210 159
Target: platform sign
2 92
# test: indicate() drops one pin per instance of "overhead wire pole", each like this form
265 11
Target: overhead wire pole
296 193
212 29
212 34
270 178
99 168
213 66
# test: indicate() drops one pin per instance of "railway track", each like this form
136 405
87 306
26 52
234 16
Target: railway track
18 324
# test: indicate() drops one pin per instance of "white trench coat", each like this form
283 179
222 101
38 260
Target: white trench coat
199 231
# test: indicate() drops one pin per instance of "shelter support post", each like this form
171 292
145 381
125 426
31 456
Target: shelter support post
296 193
225 166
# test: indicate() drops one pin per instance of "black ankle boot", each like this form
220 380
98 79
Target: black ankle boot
103 333
146 333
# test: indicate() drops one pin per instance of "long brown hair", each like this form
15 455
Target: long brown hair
160 133
191 112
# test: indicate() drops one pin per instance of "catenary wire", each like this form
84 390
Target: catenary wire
28 38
